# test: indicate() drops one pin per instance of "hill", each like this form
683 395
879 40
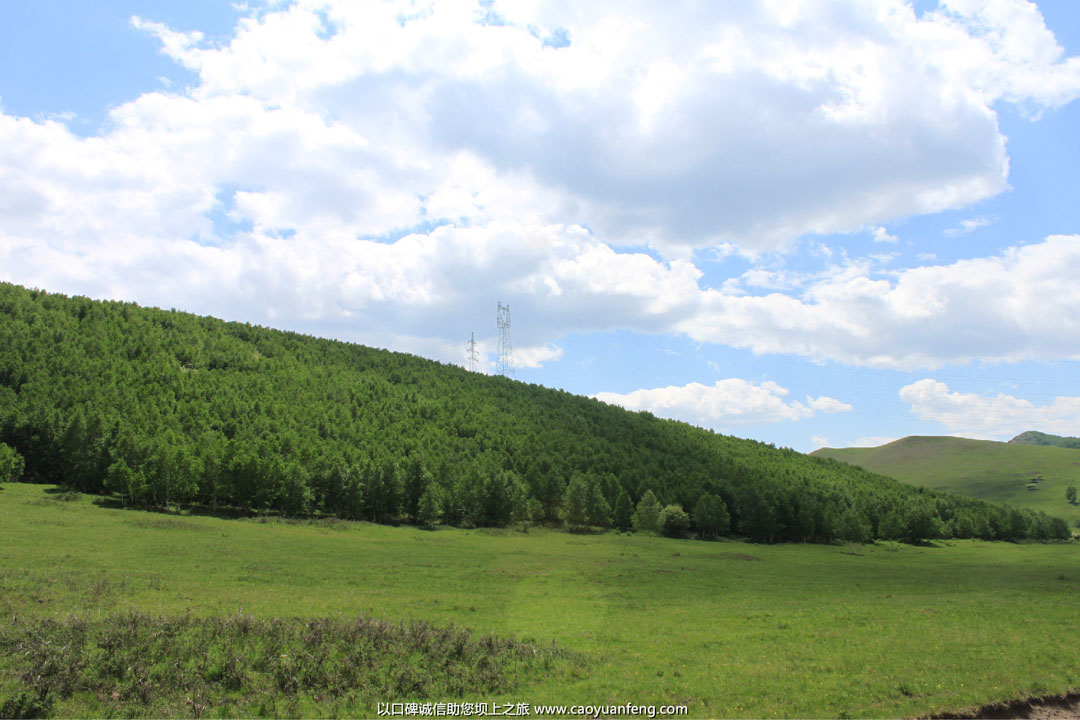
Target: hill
161 408
1028 476
1034 437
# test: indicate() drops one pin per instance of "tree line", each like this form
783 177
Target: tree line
162 408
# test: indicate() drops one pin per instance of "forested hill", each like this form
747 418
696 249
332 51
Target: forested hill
162 407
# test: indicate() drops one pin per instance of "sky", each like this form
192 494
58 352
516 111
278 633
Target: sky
807 222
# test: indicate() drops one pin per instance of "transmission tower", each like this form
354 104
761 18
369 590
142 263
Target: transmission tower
506 349
474 357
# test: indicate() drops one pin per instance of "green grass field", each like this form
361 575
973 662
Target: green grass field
730 629
977 468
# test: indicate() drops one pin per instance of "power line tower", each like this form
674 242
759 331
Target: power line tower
506 349
473 356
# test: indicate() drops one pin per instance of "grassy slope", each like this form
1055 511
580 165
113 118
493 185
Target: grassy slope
734 630
1034 437
978 468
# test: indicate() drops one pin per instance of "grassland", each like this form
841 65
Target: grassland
731 629
984 469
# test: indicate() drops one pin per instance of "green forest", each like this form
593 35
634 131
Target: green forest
166 409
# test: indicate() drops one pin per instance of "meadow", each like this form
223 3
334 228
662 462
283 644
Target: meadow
731 629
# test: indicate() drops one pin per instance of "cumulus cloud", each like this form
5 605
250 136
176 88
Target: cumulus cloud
990 418
752 123
755 123
725 404
385 172
536 356
881 235
1009 307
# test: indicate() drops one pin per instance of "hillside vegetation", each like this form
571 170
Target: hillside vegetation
161 408
1034 437
1024 475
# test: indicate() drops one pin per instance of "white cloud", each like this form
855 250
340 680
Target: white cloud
874 441
991 418
881 235
1004 50
731 122
1014 306
828 405
819 441
724 404
969 225
536 356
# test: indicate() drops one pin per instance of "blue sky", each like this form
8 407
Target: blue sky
808 222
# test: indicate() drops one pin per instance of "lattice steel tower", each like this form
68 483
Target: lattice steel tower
473 356
506 348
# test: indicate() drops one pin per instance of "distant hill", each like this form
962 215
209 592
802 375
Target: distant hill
1034 437
161 408
1032 476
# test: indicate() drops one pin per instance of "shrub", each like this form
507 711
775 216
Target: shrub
11 464
673 521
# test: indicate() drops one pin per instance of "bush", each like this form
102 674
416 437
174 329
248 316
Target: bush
674 522
11 464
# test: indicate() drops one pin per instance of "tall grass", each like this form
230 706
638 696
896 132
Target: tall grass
140 665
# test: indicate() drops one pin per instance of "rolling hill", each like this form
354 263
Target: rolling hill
1028 476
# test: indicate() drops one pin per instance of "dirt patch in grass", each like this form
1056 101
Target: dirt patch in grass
1050 707
137 665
